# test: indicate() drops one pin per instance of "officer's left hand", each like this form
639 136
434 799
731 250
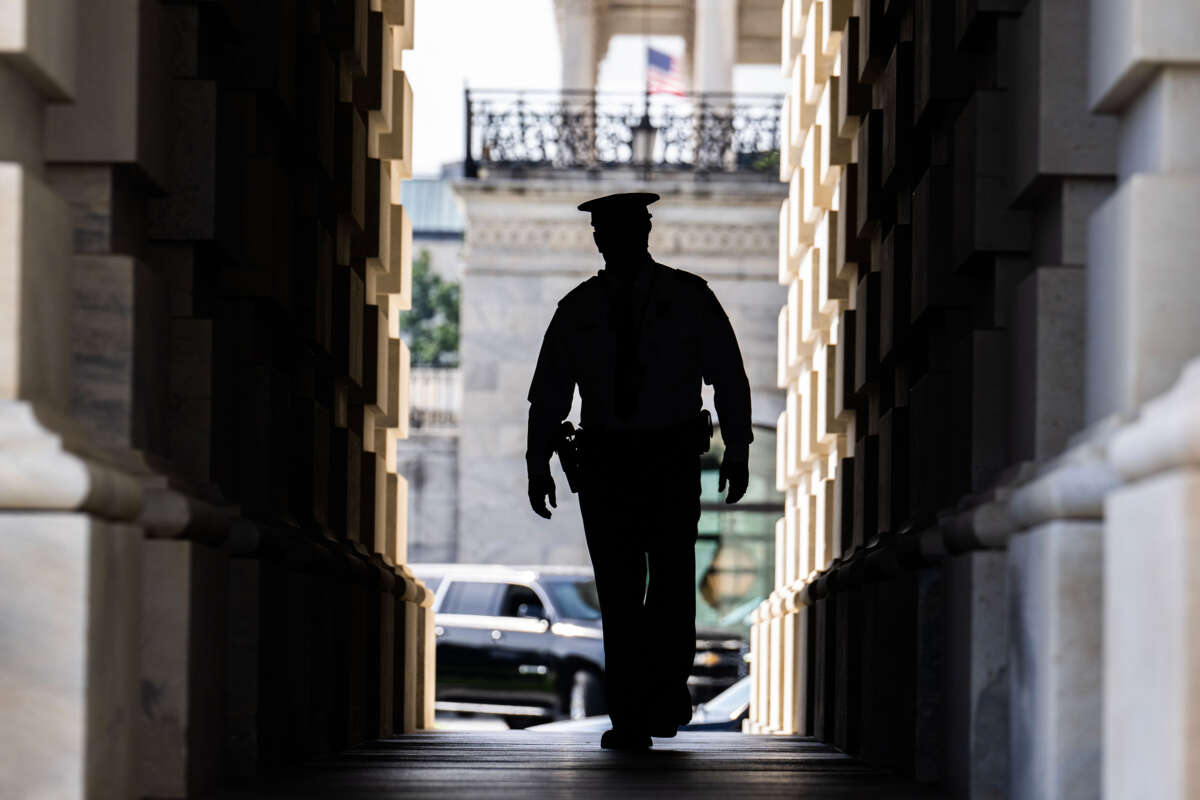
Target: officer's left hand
736 473
541 487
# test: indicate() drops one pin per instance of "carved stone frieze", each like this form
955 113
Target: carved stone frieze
666 237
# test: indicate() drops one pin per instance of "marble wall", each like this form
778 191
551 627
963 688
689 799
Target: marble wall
985 343
202 267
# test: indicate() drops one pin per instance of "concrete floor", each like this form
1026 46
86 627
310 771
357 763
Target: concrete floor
536 765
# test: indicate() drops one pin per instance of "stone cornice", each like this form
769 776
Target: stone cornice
569 192
543 235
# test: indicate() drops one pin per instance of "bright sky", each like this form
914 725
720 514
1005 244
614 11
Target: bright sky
487 44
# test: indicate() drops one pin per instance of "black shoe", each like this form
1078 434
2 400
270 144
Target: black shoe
668 721
683 706
614 739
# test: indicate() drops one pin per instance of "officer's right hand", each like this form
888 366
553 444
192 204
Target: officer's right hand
541 487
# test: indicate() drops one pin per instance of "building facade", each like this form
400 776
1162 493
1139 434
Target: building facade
428 458
531 159
989 448
202 263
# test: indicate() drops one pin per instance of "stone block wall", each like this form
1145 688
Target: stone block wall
989 277
204 257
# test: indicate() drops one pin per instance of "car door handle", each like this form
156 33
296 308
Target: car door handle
438 630
496 636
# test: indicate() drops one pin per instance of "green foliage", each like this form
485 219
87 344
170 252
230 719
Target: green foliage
431 327
767 161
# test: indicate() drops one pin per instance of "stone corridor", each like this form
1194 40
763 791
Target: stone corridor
536 765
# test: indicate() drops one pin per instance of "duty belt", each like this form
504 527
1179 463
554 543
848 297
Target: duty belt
570 441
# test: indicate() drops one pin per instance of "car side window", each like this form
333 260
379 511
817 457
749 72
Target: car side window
472 597
516 596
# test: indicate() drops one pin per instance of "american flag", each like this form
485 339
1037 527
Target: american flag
663 73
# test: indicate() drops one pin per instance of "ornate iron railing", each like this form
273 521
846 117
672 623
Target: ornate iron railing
589 130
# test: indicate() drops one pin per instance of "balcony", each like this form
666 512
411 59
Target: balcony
543 133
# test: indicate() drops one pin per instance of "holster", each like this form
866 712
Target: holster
568 445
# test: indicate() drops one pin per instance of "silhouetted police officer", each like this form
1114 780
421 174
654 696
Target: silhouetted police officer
637 339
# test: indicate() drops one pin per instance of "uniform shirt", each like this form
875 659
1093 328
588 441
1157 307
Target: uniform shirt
678 335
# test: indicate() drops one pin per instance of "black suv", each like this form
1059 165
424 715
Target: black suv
525 643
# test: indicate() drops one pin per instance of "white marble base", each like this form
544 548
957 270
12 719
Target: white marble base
1151 641
1054 651
69 597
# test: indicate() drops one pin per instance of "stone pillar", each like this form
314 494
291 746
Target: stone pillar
1142 330
976 683
69 584
412 650
1056 584
426 664
1142 245
1151 646
792 630
577 37
68 666
714 52
120 359
714 45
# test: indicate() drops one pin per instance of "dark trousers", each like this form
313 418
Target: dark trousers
640 499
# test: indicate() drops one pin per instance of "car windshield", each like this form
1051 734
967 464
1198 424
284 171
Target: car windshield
575 599
730 702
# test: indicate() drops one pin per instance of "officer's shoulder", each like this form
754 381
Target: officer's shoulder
685 278
694 288
583 294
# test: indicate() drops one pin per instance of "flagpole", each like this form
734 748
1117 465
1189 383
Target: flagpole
643 134
646 66
646 63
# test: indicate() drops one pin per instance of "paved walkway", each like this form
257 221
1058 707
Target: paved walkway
529 765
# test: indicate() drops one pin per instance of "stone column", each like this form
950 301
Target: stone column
1151 597
578 38
1060 159
1054 651
1142 245
577 32
427 663
1142 330
714 46
714 51
69 586
795 699
976 682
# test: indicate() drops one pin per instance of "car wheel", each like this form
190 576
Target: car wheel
587 695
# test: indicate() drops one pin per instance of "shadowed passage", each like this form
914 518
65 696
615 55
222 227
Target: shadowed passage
525 764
